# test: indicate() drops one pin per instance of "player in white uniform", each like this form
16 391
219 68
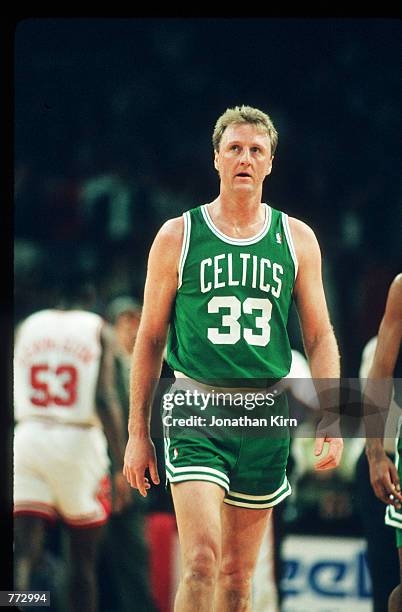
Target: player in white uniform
63 395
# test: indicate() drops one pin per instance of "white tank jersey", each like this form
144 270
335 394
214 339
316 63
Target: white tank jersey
56 365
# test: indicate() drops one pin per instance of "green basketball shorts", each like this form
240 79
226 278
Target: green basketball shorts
242 449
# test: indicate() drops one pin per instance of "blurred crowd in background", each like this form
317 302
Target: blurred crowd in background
113 124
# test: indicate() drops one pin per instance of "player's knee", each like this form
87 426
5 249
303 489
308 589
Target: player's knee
201 563
235 575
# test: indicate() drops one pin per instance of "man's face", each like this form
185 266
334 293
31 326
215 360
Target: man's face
244 158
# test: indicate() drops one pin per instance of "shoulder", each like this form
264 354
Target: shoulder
171 233
172 226
394 298
304 238
38 321
301 230
40 314
166 248
74 317
36 318
168 241
396 285
82 314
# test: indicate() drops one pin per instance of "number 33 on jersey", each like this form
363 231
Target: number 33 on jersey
236 294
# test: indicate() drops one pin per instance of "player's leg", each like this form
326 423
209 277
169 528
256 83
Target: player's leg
257 483
198 506
82 489
382 555
393 517
242 533
395 598
83 583
29 533
33 499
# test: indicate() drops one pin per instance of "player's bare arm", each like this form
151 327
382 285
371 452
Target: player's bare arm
159 295
318 336
111 415
390 334
377 397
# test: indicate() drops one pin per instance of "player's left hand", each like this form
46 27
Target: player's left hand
122 492
333 457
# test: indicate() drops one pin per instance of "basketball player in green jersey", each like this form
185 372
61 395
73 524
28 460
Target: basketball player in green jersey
385 477
222 278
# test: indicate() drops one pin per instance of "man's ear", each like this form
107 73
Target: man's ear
216 162
270 166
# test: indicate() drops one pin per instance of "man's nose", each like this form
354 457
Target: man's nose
245 156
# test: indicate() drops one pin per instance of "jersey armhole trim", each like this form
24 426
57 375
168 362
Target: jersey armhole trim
185 246
288 234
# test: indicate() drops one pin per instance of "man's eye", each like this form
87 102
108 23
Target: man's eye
255 149
234 148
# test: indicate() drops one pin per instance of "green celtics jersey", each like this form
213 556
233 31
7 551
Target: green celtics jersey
229 320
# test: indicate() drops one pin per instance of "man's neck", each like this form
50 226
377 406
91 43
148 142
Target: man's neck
242 204
237 217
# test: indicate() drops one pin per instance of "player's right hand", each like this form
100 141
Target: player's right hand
140 455
385 480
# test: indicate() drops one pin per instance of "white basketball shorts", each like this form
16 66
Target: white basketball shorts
61 471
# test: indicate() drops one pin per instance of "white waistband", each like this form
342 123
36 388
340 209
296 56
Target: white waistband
190 383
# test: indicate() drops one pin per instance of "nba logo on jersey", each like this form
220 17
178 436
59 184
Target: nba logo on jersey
278 238
175 453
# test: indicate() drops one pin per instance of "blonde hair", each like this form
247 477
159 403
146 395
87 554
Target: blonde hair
245 114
